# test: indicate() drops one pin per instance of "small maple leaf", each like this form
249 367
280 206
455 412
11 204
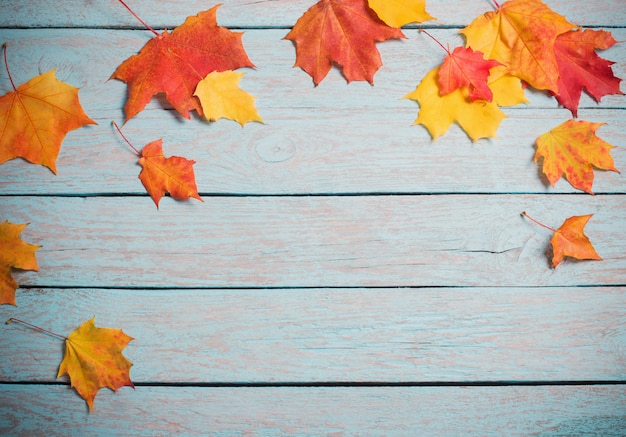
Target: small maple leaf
465 67
14 254
340 31
221 97
397 13
173 63
573 149
570 240
581 67
521 34
479 119
35 118
93 359
162 175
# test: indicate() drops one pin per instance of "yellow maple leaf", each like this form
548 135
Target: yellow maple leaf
93 359
221 97
573 149
397 13
521 35
479 119
14 253
36 116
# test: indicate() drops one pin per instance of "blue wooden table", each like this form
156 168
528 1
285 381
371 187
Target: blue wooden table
345 275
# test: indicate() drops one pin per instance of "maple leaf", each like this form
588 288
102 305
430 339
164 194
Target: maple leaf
173 63
465 67
581 67
397 13
221 97
573 149
521 34
93 359
570 240
479 119
340 31
161 175
35 118
14 253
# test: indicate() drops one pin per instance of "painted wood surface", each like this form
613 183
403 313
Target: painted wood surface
337 411
417 335
345 275
453 240
260 13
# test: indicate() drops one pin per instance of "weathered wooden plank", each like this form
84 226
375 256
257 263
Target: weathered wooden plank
86 58
320 335
335 138
451 240
243 13
345 153
51 411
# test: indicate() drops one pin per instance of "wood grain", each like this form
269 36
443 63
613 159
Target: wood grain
454 240
266 13
322 335
393 411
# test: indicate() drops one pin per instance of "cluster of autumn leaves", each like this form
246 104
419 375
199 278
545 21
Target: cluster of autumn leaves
522 43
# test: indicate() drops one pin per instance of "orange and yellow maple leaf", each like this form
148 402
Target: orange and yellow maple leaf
343 32
573 149
521 35
14 254
173 63
397 13
93 360
221 97
35 118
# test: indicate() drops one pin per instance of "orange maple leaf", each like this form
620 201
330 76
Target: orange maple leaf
570 240
573 149
93 359
173 63
162 175
14 254
340 31
467 68
581 67
36 116
521 34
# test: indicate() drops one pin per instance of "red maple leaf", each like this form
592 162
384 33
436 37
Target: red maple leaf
465 67
174 63
581 67
340 31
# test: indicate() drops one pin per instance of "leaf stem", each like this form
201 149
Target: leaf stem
436 40
13 319
126 139
539 223
6 64
497 4
137 17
